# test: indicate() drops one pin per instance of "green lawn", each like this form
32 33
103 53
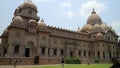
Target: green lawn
59 66
73 66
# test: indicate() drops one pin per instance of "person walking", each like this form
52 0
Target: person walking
15 62
62 62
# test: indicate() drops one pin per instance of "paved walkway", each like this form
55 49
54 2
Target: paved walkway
25 66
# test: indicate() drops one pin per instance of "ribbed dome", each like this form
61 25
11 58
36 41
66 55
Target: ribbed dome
99 36
28 4
94 19
42 23
97 28
87 27
17 20
104 27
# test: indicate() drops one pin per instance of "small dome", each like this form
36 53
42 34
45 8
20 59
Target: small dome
112 29
17 20
28 4
99 35
87 27
32 21
42 23
97 28
104 27
94 19
78 30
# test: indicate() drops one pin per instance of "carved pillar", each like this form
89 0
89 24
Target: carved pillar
51 52
58 52
10 50
46 51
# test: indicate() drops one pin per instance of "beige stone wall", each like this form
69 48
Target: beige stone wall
20 61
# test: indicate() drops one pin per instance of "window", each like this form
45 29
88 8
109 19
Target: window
103 54
55 51
43 51
84 53
98 54
79 53
16 49
30 11
89 54
48 51
62 51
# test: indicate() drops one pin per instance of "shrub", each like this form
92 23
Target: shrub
97 61
72 60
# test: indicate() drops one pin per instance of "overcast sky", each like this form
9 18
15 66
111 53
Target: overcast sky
69 14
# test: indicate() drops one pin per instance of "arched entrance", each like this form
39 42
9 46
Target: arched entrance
27 52
29 49
36 60
71 53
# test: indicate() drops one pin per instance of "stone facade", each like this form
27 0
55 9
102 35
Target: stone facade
31 41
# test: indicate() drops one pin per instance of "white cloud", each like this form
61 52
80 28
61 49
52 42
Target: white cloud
70 14
88 6
66 4
116 27
39 1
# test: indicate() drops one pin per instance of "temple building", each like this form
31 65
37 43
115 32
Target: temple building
31 41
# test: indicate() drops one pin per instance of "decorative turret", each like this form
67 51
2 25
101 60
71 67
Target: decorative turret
42 24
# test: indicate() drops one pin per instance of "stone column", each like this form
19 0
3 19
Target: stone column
10 50
51 52
46 52
58 52
76 53
82 55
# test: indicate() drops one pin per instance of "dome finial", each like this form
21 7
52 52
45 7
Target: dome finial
42 20
93 12
29 0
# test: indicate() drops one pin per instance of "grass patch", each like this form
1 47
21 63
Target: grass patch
73 66
59 66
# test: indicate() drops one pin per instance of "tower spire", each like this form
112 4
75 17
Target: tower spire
93 11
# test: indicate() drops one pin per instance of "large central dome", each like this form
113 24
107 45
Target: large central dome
94 19
28 4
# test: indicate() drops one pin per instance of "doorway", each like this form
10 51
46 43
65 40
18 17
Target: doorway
71 53
27 52
5 51
36 60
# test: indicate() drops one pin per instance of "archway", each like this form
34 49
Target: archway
29 49
71 53
27 52
36 60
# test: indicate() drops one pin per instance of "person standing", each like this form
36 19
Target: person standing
15 62
62 62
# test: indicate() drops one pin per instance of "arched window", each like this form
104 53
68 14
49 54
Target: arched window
43 50
98 54
16 49
79 53
55 52
30 11
62 52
